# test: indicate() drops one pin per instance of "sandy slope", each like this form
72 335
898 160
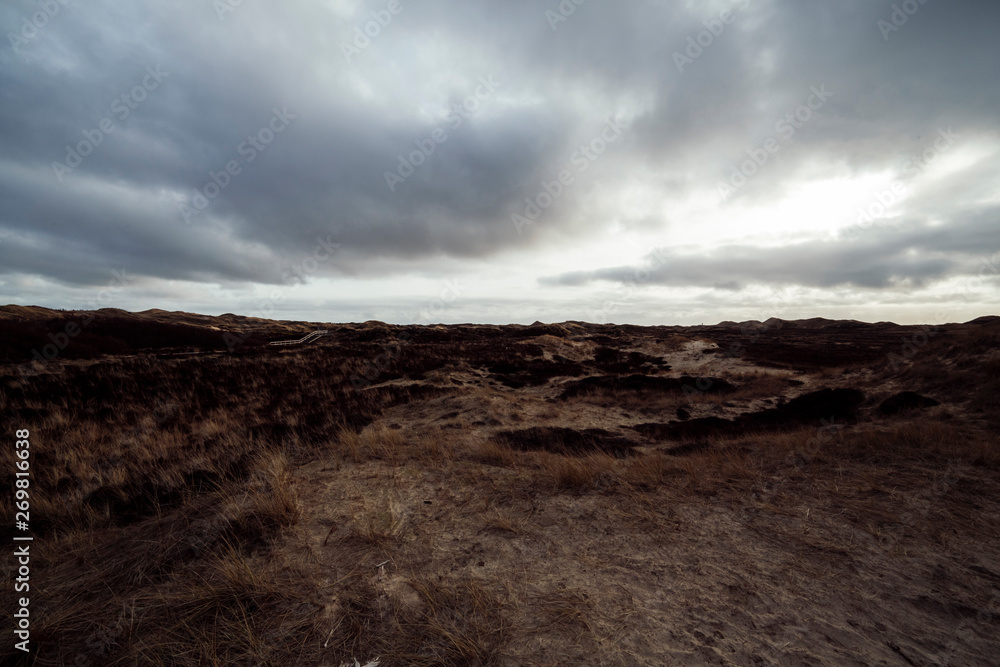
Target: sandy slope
612 580
811 564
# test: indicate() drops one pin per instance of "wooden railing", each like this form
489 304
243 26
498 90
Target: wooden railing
308 338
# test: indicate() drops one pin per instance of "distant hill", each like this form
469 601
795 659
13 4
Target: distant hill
35 332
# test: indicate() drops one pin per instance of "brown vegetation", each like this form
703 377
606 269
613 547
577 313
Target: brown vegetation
460 496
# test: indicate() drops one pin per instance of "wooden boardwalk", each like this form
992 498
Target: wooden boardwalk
308 338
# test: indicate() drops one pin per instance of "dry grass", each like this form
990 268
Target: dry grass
726 466
155 521
267 501
372 443
748 386
182 531
648 471
562 608
232 610
505 521
490 452
576 474
459 621
394 446
758 384
199 575
918 443
382 524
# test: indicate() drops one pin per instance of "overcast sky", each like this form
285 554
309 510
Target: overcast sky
649 162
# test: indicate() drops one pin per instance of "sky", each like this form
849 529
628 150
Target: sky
414 161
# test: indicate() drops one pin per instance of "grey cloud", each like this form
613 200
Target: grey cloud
912 254
324 175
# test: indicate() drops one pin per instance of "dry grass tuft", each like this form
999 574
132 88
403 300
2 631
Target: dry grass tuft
502 520
453 621
267 503
231 610
372 443
491 452
382 525
577 474
571 608
928 442
724 466
647 471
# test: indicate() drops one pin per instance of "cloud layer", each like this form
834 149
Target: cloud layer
194 145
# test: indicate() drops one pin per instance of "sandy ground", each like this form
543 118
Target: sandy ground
608 580
541 495
818 566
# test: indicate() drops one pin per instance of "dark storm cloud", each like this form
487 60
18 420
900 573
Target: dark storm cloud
888 96
908 254
323 176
